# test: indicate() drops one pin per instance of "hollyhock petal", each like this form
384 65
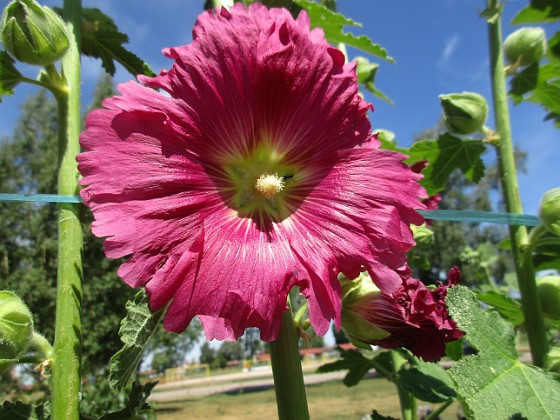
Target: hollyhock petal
256 173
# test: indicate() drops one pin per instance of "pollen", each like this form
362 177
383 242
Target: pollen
268 185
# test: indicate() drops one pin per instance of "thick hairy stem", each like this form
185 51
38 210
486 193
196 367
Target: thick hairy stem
288 375
521 248
68 329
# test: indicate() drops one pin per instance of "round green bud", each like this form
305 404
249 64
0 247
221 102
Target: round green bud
549 210
16 328
423 236
525 46
464 113
357 297
33 34
548 288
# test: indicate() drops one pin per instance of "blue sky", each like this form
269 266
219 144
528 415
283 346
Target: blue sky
439 46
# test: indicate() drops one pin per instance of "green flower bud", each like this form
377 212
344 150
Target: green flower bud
33 34
423 236
525 46
16 328
549 211
464 113
365 70
357 296
548 288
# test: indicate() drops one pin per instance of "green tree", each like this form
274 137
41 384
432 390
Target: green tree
28 241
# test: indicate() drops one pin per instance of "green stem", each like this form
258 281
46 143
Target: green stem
39 342
286 370
68 329
521 249
408 402
435 414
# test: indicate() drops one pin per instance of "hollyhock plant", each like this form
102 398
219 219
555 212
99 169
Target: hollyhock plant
413 316
256 173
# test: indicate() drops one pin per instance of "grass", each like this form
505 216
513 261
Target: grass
331 400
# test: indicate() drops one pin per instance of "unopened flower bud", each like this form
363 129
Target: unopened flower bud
464 113
423 236
16 328
549 211
358 297
525 46
33 34
365 70
548 288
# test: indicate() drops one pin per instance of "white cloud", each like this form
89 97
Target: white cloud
448 50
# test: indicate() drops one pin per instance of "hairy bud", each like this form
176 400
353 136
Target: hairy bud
16 328
464 113
33 34
525 46
549 211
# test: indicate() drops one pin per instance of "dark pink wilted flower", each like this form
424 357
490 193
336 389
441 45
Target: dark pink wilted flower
256 173
413 316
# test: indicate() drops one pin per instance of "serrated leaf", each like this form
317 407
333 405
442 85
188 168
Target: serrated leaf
9 75
353 361
445 155
136 330
136 402
333 24
523 82
427 382
20 411
506 306
495 374
101 39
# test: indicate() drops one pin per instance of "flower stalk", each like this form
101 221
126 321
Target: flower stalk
407 400
521 248
287 372
68 328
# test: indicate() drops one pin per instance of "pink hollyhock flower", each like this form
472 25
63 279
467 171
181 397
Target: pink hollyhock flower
413 316
257 172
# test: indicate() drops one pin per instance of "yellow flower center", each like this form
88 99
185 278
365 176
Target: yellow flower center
268 185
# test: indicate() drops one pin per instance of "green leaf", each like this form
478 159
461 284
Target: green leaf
136 403
554 46
333 23
20 411
353 361
539 11
495 374
426 381
136 330
445 155
366 71
524 82
507 307
9 75
101 39
531 15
